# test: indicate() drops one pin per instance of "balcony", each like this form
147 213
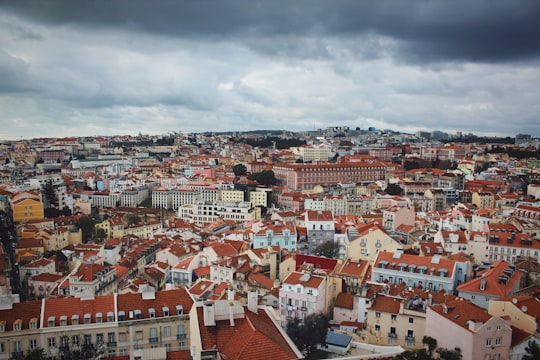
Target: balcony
409 338
392 335
17 354
181 336
303 308
111 344
153 340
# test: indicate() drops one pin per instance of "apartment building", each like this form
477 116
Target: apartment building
320 228
301 294
494 281
479 335
276 233
434 273
134 325
306 176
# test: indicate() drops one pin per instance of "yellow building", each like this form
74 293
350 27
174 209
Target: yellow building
26 206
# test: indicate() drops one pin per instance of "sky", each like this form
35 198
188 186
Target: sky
124 67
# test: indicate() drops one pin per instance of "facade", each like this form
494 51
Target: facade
301 294
276 234
435 273
499 280
320 228
93 327
368 241
306 176
92 279
479 335
26 206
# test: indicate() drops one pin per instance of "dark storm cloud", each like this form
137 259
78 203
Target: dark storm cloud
479 31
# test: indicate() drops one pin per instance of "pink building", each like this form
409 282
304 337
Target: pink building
479 335
301 294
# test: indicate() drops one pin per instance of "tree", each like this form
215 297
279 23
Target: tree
265 177
330 249
393 189
99 235
532 350
86 225
239 170
445 354
36 354
430 343
420 354
50 194
309 333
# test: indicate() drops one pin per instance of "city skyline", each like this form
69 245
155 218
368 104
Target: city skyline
74 68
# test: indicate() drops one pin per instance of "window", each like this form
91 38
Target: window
64 341
152 313
111 338
17 346
165 311
33 344
411 320
488 342
377 328
87 339
153 335
99 317
498 341
87 318
99 338
378 314
393 317
110 316
75 340
167 331
52 342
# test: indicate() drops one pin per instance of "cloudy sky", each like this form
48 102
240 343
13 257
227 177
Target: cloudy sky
105 67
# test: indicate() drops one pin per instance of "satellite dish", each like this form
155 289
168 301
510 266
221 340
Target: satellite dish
514 301
524 308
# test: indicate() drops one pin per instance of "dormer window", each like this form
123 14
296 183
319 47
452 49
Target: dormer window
152 313
166 311
17 325
179 310
137 314
2 326
99 317
63 320
51 321
87 318
110 316
121 315
75 319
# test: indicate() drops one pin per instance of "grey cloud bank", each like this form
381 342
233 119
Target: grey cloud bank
74 68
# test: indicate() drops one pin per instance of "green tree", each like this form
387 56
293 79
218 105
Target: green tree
99 235
420 354
532 351
265 177
309 333
393 189
446 354
430 343
49 194
36 354
86 224
328 248
239 170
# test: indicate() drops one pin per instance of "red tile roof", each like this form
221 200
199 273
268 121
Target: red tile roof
255 336
492 283
461 312
307 280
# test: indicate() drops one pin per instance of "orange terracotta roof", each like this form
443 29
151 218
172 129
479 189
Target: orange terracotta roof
255 336
386 304
491 282
461 312
313 281
345 300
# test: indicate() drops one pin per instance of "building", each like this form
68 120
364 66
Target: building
498 280
138 325
26 206
301 294
435 273
320 228
276 234
479 335
306 176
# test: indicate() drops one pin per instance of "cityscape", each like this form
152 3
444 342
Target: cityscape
268 180
334 243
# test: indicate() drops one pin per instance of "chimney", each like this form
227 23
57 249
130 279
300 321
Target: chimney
445 308
209 314
252 301
230 294
231 313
